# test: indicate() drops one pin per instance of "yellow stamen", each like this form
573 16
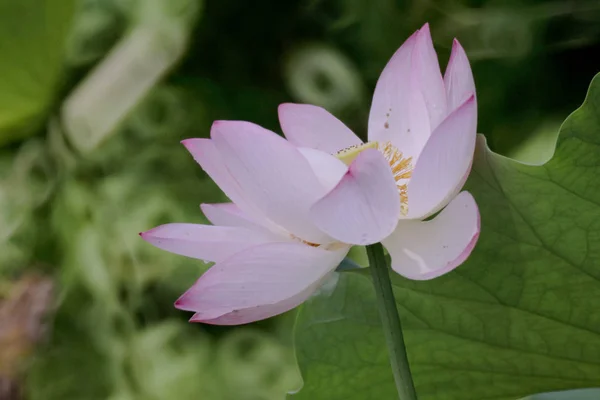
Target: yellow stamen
401 169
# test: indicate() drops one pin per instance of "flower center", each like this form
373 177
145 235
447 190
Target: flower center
401 166
401 169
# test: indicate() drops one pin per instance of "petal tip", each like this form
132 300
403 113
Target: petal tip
195 319
282 112
216 125
458 51
150 232
423 36
187 143
283 106
194 145
180 302
145 235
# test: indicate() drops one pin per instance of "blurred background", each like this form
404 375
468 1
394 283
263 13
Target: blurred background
95 96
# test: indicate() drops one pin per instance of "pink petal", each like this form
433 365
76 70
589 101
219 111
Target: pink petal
206 242
272 174
207 155
458 78
258 283
311 126
445 160
426 250
427 69
328 169
251 314
364 207
229 214
398 111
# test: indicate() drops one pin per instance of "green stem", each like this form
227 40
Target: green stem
391 322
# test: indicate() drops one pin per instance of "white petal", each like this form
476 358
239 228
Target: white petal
425 250
306 125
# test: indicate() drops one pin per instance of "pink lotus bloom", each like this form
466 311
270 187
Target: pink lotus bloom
298 205
269 256
422 132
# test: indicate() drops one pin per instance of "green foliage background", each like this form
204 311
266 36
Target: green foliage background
74 215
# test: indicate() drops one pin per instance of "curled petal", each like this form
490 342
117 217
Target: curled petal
458 78
364 207
426 250
206 242
258 283
445 160
306 125
272 174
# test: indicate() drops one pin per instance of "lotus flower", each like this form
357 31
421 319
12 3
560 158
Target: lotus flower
269 256
298 205
422 132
